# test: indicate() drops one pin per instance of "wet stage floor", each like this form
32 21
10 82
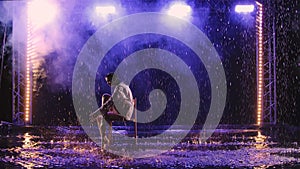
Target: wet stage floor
229 146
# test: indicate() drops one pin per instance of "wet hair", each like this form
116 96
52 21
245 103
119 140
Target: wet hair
110 77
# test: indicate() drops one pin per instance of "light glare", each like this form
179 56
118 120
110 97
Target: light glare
41 12
244 8
180 10
105 10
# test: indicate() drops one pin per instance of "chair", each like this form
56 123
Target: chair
134 120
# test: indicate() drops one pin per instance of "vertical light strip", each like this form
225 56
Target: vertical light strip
260 63
30 52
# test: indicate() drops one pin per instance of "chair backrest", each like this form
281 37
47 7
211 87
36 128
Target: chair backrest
135 110
135 117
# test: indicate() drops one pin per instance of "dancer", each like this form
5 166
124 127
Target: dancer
116 107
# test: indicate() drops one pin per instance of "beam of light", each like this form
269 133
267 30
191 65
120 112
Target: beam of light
260 68
105 10
244 8
41 12
180 10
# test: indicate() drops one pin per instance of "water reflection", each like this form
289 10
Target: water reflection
28 152
260 141
64 148
27 140
261 167
261 145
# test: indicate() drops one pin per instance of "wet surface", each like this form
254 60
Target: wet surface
229 146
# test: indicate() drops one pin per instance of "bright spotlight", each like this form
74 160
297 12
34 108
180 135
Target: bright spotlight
180 10
105 10
244 8
41 12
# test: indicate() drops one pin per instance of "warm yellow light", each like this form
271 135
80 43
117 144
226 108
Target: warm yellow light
260 62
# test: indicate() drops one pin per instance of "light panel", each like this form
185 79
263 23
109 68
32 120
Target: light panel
180 10
105 10
244 8
41 12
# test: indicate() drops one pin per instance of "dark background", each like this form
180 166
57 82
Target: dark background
232 35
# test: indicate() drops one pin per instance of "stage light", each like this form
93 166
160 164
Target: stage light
105 10
244 8
180 10
260 68
41 12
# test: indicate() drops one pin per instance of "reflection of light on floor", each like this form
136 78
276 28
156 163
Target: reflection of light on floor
261 167
260 144
260 140
27 141
28 144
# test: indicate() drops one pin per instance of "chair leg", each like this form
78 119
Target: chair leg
135 129
110 131
135 120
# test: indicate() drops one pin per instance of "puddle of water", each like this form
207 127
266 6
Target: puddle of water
61 147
